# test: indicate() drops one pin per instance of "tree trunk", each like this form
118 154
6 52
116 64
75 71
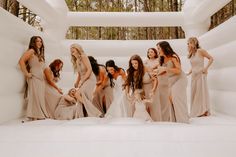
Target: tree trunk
175 8
146 7
233 7
3 4
24 11
14 7
100 28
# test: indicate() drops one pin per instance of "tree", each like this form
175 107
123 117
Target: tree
14 7
3 4
125 33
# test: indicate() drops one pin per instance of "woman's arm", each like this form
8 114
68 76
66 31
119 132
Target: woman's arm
24 58
77 80
154 86
87 64
177 67
71 100
49 78
209 57
190 72
103 77
123 75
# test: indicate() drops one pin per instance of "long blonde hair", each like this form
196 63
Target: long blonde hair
195 42
80 52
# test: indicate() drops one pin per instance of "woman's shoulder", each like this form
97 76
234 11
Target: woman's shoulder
146 61
29 52
102 68
121 71
48 70
175 58
201 51
83 56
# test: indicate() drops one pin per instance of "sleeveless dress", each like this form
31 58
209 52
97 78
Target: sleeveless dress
178 87
36 90
147 84
199 89
106 93
52 98
87 91
67 111
163 90
151 64
161 107
154 107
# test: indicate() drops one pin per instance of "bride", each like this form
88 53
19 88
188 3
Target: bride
117 77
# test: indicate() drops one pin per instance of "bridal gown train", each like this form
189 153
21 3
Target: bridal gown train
118 107
140 111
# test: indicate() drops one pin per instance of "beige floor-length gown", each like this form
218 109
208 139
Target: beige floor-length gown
161 109
178 87
52 98
199 89
147 84
106 93
87 91
67 111
36 90
154 107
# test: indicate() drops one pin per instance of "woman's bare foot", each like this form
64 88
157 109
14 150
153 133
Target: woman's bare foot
205 114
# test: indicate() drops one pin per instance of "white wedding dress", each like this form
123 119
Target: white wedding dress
118 107
140 111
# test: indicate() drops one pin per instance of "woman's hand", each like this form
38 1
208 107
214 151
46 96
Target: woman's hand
205 71
151 94
29 75
128 97
162 70
189 73
80 84
60 90
76 85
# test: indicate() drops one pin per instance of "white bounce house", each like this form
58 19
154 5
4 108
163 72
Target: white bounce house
212 136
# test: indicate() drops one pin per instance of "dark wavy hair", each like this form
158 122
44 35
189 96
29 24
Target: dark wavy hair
52 66
38 52
111 63
168 51
155 51
95 65
135 82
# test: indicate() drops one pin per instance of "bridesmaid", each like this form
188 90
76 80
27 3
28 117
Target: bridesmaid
153 61
136 77
200 105
86 81
69 106
177 82
102 96
161 94
32 65
52 92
